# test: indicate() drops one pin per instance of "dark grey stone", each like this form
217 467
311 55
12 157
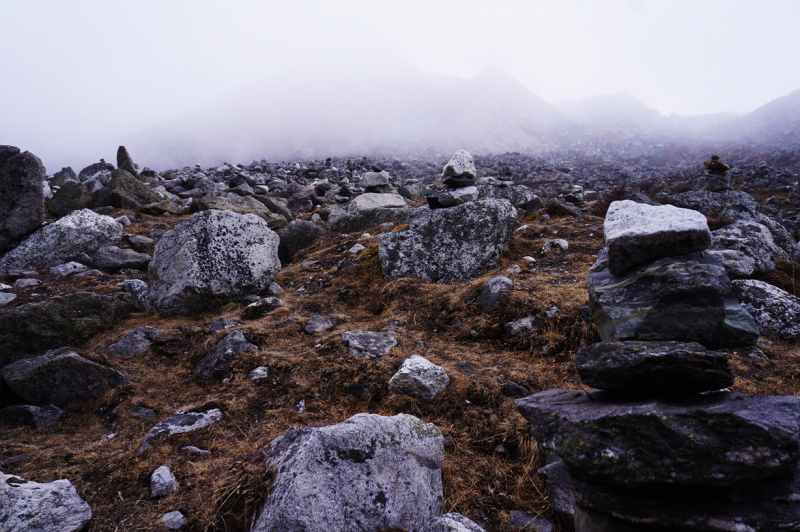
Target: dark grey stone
494 290
21 195
35 417
113 258
227 350
134 342
369 345
180 422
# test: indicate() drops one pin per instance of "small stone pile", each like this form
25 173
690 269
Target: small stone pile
716 178
663 445
458 182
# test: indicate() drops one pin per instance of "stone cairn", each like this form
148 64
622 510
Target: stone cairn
662 444
457 183
716 178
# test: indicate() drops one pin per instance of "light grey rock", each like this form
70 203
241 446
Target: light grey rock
162 483
374 179
6 298
737 265
114 258
358 248
124 220
173 520
275 289
82 231
21 284
418 378
262 307
556 243
369 345
460 170
776 311
218 359
134 342
636 233
457 196
451 522
449 245
525 522
88 273
368 473
261 372
318 324
371 200
63 270
139 243
751 238
35 417
411 191
210 259
222 324
140 294
528 324
62 378
180 422
33 507
493 292
21 195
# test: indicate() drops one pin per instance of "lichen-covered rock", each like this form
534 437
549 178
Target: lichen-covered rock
21 195
654 367
418 378
368 345
460 170
27 506
180 422
368 473
62 378
94 169
712 439
210 259
72 196
297 236
125 191
227 350
751 238
687 298
82 231
73 319
450 245
62 270
240 205
776 311
134 342
636 233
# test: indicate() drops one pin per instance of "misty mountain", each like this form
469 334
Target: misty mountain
778 119
619 112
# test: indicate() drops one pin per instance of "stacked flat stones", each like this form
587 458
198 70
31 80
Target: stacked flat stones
662 445
458 176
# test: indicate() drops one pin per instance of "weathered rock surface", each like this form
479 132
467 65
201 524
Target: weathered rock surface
750 238
81 231
776 311
222 324
125 162
72 196
180 422
687 298
451 522
218 359
493 292
134 342
33 507
34 328
450 245
637 234
114 258
173 520
139 294
737 265
319 324
713 439
418 378
94 169
35 417
63 270
297 236
162 482
654 367
369 345
210 259
457 196
125 191
368 473
21 193
62 378
374 179
460 170
241 205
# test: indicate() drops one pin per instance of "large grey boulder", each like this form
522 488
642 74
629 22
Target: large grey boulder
460 170
72 196
227 350
27 506
82 231
21 195
210 259
62 176
687 298
296 237
62 378
450 245
653 367
750 238
776 311
636 233
134 342
712 439
180 422
368 345
418 378
368 473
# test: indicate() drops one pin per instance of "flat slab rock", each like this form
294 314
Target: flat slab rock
368 344
687 298
636 233
776 311
654 367
368 473
180 422
713 439
27 506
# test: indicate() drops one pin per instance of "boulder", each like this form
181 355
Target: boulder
35 417
750 238
525 325
64 175
457 196
368 473
368 345
451 522
72 196
776 311
63 270
374 179
227 350
33 507
494 290
371 200
124 191
62 378
114 258
712 439
737 265
418 378
520 196
6 298
162 483
82 231
687 298
139 294
139 243
210 259
653 367
368 209
460 170
637 234
180 422
94 169
240 205
21 195
449 245
296 237
125 162
33 328
134 342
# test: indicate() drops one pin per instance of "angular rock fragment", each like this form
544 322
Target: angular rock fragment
180 422
21 195
33 507
63 270
776 311
750 238
113 259
451 522
72 196
134 342
418 378
162 483
222 324
494 290
218 359
457 196
460 170
296 237
368 345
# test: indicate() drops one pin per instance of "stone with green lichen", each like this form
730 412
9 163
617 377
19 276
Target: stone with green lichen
124 191
71 196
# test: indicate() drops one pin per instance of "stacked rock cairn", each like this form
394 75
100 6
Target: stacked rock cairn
662 444
716 178
458 182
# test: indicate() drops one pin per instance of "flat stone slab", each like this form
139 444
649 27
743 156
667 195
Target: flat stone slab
180 422
712 439
636 233
369 345
656 367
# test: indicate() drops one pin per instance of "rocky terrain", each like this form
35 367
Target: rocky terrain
604 338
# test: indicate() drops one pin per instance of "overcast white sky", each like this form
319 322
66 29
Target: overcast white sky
80 71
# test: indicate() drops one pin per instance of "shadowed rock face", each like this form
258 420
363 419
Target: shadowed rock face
777 312
714 439
21 195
